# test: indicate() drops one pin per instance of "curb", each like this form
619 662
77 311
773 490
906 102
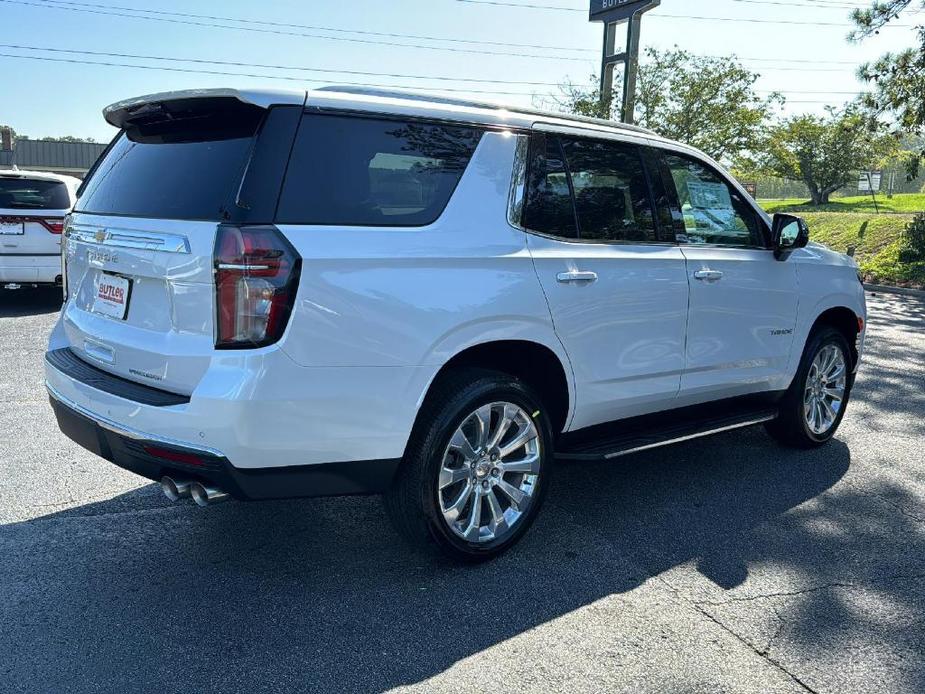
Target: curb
905 291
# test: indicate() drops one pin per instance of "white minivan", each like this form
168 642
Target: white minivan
278 294
33 205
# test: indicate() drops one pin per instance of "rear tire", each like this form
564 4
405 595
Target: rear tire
814 405
465 486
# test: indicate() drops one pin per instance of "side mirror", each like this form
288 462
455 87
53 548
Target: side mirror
788 233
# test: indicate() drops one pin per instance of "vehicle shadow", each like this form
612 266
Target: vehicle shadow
132 594
29 302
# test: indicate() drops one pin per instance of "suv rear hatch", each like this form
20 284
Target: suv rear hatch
138 249
32 211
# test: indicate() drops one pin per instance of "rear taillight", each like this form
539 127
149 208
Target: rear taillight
256 278
55 225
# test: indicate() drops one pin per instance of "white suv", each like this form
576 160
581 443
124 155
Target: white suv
32 209
290 294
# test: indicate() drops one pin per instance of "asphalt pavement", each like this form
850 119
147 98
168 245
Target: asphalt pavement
722 565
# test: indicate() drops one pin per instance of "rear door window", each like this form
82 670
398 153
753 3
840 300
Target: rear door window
593 190
182 165
33 194
611 192
353 171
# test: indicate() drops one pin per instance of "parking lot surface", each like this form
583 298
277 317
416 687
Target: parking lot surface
726 564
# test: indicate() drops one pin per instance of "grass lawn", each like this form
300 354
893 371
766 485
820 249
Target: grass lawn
876 242
907 203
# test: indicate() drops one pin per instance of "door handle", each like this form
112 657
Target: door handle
708 275
575 276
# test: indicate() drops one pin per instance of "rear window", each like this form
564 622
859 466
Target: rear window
33 194
368 172
179 162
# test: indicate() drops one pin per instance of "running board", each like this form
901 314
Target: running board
645 433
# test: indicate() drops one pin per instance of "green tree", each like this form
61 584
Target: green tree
824 152
897 79
709 103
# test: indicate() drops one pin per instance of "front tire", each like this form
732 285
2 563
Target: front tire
814 405
475 472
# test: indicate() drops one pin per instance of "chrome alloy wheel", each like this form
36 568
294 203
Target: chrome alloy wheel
489 472
825 389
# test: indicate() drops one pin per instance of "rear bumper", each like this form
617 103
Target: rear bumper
143 454
30 269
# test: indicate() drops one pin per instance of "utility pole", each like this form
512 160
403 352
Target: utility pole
615 14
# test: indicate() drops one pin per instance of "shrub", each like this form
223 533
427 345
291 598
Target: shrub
913 240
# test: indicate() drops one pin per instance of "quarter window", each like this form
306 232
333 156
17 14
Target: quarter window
370 172
714 212
549 208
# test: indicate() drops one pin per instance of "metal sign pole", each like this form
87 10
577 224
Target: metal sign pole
615 13
632 70
609 60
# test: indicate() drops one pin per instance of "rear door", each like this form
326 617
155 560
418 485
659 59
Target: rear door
743 302
32 211
139 246
615 282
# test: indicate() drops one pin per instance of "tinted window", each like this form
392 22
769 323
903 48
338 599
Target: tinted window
549 208
186 166
363 171
714 212
669 218
33 194
611 191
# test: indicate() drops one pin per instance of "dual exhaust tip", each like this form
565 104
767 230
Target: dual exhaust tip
202 494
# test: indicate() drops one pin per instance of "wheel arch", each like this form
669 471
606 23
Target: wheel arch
537 364
845 320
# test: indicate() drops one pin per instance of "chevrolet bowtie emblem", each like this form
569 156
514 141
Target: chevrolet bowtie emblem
100 236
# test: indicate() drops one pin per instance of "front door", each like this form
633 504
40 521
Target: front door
743 301
617 290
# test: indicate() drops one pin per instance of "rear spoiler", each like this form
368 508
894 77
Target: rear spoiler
119 113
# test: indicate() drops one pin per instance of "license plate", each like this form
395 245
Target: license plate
11 228
112 296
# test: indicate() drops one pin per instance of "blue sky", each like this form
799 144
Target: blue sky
42 97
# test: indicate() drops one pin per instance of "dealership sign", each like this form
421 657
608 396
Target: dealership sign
617 10
869 181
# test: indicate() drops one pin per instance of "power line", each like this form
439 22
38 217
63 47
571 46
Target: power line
289 25
806 91
281 32
750 20
163 68
786 60
58 4
299 68
817 4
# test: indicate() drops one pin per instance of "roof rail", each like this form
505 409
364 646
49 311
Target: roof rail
469 103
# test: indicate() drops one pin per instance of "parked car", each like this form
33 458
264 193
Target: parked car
32 209
289 294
